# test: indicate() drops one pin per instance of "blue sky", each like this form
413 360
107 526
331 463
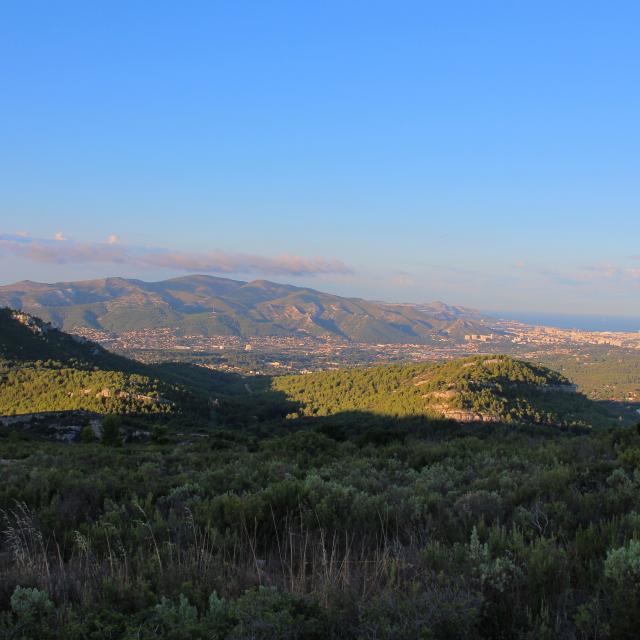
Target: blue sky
482 153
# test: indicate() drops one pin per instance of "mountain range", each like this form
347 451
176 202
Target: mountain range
207 305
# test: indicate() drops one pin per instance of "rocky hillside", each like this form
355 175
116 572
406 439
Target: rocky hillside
476 389
207 305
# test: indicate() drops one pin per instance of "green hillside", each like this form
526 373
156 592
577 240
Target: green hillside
44 369
476 389
602 373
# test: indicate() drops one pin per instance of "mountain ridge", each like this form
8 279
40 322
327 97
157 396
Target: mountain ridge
211 305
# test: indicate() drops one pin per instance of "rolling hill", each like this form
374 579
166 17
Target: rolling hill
475 389
44 369
207 305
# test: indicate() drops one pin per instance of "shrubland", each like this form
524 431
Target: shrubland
403 530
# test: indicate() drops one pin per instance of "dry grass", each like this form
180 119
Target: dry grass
295 559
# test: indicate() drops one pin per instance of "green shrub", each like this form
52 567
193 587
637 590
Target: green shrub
111 430
87 435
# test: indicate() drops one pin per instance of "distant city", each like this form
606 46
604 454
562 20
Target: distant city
305 353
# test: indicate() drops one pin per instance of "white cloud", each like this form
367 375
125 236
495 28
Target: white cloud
111 252
402 279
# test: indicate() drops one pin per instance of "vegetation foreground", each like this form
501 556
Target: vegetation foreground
402 532
340 505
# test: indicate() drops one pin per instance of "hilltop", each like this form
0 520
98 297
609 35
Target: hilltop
207 305
45 369
475 389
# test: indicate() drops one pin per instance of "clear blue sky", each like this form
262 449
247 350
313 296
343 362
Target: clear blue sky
483 153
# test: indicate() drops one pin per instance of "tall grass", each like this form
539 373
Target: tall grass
294 558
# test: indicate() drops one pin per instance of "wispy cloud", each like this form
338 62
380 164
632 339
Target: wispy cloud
583 276
602 271
61 250
402 279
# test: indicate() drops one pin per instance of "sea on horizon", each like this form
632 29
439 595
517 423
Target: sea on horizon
584 322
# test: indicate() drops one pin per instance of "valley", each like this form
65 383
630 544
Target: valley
162 484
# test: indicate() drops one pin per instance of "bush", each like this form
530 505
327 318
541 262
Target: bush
87 436
111 430
31 604
160 434
33 612
265 614
623 564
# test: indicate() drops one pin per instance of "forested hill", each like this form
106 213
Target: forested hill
207 305
44 369
24 337
476 389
